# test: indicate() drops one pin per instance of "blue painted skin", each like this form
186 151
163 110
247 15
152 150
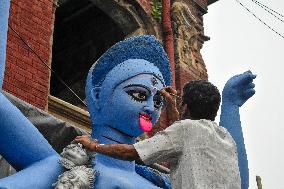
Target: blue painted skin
236 92
155 177
4 14
137 60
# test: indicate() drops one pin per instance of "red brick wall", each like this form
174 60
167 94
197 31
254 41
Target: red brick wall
184 75
26 76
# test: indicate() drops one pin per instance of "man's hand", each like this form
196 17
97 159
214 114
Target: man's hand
87 142
170 96
239 88
118 151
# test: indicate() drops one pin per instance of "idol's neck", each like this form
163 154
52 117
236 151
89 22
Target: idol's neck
106 134
109 135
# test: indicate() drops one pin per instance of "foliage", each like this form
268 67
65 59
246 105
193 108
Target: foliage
157 9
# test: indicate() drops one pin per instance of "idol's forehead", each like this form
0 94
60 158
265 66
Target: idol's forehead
129 69
146 80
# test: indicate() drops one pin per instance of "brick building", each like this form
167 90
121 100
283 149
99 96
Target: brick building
69 35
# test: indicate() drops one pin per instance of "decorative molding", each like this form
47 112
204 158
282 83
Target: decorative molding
201 5
186 33
69 113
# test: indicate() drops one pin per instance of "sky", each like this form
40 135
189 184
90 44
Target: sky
239 42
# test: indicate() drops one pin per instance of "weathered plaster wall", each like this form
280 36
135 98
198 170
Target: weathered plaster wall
188 40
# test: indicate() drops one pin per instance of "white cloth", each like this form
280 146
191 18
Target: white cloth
202 155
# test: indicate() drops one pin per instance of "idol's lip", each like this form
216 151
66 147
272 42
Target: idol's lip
146 116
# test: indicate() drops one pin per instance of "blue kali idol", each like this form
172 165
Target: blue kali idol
123 102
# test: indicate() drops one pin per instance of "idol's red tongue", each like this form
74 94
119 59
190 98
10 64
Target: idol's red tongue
145 123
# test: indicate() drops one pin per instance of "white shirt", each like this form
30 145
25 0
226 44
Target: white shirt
202 155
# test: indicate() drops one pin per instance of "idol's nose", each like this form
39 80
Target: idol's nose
149 107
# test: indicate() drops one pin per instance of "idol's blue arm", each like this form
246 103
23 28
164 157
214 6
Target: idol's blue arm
40 175
236 92
4 15
21 144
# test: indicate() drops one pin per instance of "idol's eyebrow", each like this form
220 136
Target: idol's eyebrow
138 85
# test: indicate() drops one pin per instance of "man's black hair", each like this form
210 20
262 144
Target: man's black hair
202 99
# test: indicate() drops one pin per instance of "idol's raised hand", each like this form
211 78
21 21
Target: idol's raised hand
239 89
236 92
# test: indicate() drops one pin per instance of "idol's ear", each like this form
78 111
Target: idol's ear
96 97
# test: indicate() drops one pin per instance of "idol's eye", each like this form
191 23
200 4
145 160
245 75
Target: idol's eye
158 104
158 101
139 96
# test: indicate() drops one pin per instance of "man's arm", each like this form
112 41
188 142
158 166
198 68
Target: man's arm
163 146
236 92
118 151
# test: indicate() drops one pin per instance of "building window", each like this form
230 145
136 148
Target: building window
82 33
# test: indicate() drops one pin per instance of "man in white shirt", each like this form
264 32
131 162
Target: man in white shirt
202 154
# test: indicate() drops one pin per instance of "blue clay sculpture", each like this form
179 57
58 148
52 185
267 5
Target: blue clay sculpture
122 99
236 92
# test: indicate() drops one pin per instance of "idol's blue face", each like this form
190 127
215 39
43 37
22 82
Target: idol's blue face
134 104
